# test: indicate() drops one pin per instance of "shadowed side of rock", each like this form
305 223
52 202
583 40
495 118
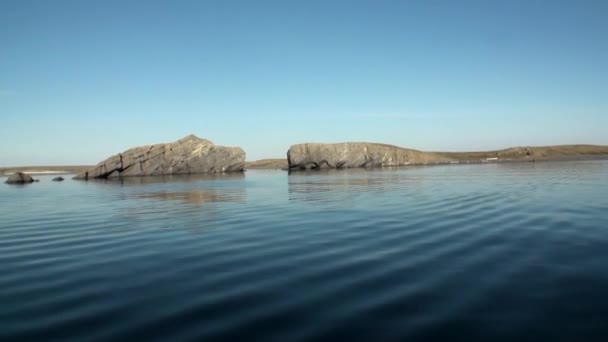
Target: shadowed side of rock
351 155
190 155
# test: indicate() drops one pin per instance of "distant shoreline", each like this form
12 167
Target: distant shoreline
44 169
278 164
33 173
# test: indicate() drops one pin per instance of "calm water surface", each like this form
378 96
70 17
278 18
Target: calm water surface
486 252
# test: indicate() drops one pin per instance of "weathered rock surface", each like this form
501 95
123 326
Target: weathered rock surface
189 155
19 178
58 179
349 155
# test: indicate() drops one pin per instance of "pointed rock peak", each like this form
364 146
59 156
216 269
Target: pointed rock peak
190 137
194 138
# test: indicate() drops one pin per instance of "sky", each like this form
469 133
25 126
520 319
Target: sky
83 80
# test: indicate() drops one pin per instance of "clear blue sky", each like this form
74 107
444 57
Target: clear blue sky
81 80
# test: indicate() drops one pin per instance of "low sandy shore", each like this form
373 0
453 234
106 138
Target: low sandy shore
39 172
44 170
268 164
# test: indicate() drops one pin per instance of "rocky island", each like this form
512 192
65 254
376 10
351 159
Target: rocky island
359 154
356 154
189 155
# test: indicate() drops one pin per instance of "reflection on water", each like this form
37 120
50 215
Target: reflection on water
195 198
198 196
344 188
171 178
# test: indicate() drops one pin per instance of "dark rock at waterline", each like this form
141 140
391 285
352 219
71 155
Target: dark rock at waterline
189 155
19 178
58 179
350 155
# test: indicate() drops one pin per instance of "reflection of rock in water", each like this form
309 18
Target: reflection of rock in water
342 187
198 196
197 209
176 178
197 200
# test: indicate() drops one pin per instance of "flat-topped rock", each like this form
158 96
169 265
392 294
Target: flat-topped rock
19 178
190 155
355 154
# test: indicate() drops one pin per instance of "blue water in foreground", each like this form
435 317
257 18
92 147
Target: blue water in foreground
467 252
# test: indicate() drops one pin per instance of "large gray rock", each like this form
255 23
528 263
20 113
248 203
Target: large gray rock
189 155
19 178
349 155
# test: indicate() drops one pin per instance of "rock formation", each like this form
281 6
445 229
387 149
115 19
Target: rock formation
19 178
349 155
189 155
58 179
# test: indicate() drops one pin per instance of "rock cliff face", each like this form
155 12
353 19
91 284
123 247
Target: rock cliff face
189 155
19 178
349 155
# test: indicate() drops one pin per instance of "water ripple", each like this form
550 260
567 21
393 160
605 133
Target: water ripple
480 251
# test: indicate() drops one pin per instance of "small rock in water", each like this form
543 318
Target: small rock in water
58 179
19 178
